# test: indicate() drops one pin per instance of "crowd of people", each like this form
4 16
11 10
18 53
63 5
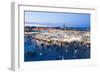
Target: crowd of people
67 51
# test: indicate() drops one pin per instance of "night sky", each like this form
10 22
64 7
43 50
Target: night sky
54 19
